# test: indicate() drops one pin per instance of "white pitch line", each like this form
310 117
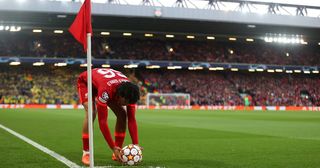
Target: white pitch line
54 154
42 148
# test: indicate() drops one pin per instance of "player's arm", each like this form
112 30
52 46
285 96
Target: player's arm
132 123
103 124
102 109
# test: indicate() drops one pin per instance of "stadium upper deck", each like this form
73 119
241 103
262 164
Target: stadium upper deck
219 18
179 23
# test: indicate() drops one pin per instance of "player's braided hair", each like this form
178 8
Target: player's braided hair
129 91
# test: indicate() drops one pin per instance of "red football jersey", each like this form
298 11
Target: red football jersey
105 82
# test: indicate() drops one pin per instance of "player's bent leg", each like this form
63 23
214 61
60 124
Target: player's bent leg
85 129
85 120
85 134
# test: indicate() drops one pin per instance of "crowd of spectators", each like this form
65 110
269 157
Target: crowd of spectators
227 88
38 85
155 49
44 85
204 88
57 85
51 85
15 87
280 89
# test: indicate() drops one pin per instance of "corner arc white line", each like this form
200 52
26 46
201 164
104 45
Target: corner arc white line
42 148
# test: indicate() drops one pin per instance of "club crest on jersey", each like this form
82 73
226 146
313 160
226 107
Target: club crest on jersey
105 96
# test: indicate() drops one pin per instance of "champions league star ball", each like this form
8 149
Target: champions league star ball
131 155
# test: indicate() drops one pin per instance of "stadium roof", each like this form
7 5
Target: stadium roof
196 3
122 23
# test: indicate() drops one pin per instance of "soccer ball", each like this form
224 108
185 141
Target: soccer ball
131 154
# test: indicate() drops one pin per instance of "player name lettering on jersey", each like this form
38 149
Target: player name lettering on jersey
114 81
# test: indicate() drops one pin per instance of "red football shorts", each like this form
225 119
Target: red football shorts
83 90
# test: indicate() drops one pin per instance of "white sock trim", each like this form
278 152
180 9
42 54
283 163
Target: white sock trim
85 152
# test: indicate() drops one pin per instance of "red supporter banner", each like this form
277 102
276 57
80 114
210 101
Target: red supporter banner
223 108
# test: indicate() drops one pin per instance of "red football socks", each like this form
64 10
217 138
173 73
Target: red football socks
85 142
119 138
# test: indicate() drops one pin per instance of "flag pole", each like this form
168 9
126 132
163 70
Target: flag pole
90 118
81 29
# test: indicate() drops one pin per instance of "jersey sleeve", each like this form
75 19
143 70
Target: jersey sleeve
103 97
102 100
103 124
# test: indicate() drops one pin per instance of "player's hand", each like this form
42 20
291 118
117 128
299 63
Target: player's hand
118 153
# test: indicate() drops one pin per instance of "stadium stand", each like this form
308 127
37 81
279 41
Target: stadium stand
43 85
230 88
38 85
170 50
57 85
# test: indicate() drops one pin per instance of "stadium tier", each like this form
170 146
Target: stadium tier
57 85
54 46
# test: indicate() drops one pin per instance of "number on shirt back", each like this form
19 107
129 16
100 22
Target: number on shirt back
110 73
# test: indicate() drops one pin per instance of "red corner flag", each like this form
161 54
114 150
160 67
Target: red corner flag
82 24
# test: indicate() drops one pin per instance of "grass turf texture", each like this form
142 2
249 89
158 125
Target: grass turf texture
171 138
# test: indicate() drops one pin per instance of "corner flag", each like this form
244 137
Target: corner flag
81 30
82 24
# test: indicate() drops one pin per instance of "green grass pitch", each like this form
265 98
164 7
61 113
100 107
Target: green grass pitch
171 138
